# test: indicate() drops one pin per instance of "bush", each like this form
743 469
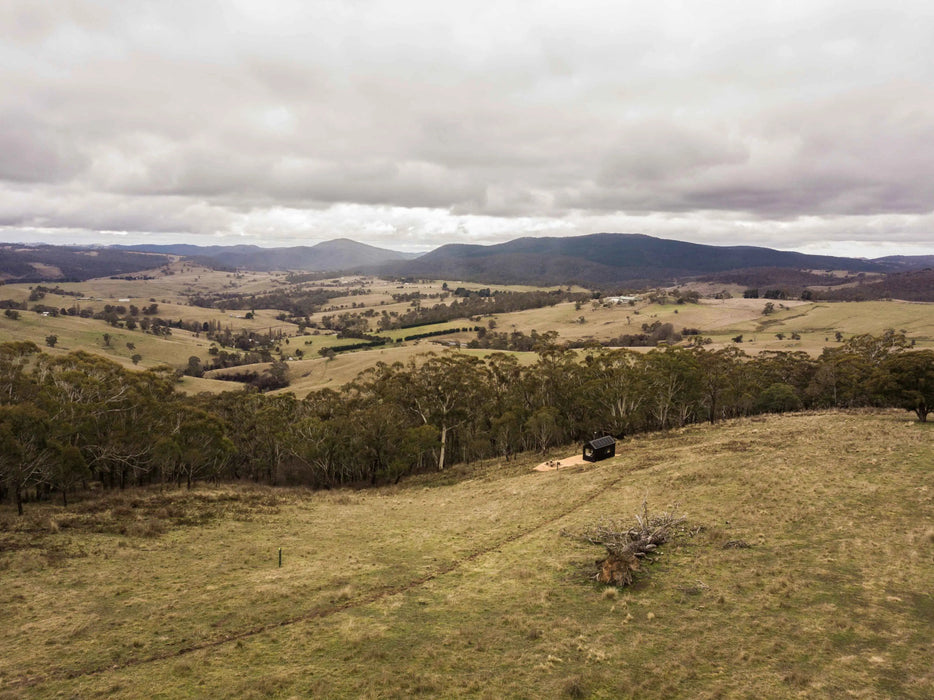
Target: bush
778 398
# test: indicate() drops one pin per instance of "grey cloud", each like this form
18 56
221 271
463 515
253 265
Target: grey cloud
657 151
60 208
36 152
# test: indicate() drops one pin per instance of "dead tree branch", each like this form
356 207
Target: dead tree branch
626 545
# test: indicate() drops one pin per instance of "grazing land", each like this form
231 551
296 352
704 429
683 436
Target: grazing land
460 584
792 325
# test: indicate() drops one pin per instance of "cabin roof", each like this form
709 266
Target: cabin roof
602 442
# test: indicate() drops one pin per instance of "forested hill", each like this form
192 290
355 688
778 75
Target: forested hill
607 258
336 255
910 286
906 263
19 263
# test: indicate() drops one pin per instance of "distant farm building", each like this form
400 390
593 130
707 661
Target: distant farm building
601 448
619 300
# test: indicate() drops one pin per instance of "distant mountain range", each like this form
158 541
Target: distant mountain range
599 260
339 254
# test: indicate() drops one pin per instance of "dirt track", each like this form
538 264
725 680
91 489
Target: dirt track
553 464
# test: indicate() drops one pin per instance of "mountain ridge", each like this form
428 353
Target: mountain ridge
607 258
594 260
337 254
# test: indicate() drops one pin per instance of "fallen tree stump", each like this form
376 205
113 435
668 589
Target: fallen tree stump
627 546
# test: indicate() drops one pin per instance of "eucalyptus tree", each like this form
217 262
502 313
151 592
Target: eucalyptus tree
507 408
67 471
195 445
875 349
26 452
907 381
107 412
795 369
557 383
16 382
260 430
614 389
323 436
840 379
720 380
274 438
846 375
673 381
445 391
542 427
375 445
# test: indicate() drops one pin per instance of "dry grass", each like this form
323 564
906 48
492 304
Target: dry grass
817 324
462 586
723 320
319 373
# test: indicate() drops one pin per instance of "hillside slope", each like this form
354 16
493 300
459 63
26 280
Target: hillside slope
917 285
461 585
906 263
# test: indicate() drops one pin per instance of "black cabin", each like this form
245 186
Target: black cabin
601 448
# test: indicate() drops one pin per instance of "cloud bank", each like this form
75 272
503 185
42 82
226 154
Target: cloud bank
805 126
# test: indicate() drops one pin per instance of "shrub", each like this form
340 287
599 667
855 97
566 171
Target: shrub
778 398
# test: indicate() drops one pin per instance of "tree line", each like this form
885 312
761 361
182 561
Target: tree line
66 421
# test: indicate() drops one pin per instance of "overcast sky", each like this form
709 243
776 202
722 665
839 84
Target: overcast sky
409 124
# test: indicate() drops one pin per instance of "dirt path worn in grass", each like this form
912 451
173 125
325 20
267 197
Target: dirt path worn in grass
372 597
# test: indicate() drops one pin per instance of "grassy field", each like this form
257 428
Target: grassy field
722 320
461 585
308 375
86 334
75 333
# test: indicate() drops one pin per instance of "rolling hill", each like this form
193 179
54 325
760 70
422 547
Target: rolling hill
916 285
906 263
335 255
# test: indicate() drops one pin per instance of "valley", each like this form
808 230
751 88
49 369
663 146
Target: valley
793 325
